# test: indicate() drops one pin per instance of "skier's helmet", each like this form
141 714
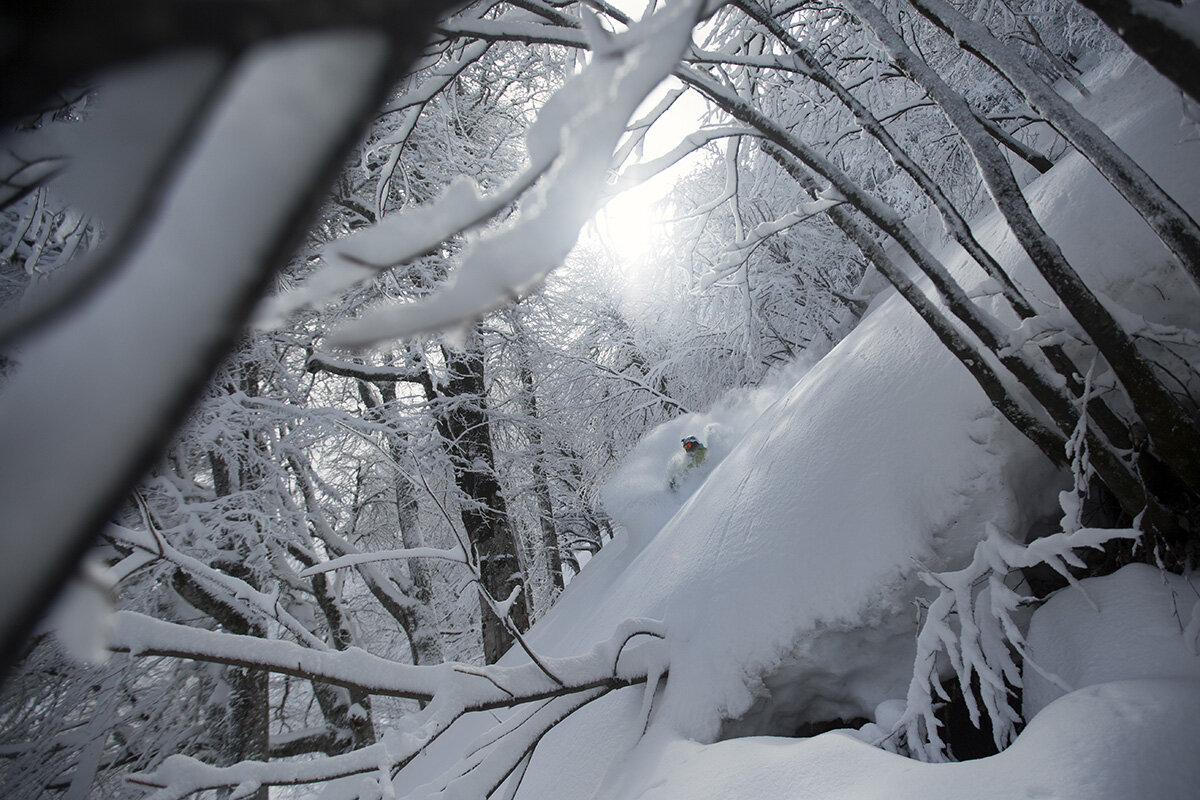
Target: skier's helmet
691 443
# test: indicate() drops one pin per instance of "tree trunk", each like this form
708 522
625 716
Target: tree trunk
1173 225
1049 441
461 405
550 552
238 716
424 639
1173 436
1158 32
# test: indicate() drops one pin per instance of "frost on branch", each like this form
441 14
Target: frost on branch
971 624
974 629
528 699
570 149
741 249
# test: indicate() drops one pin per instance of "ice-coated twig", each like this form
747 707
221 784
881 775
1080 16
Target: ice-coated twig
512 786
483 773
741 249
472 671
501 611
655 630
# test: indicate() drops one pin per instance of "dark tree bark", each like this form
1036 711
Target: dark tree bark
1169 221
551 553
423 638
239 723
460 411
347 730
462 419
1156 31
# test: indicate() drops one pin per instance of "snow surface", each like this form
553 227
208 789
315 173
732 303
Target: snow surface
1130 624
1128 731
793 566
1115 741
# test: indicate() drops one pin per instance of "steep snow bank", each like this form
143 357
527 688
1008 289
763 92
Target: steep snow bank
792 566
1127 641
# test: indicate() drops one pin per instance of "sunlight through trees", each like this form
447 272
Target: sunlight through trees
324 330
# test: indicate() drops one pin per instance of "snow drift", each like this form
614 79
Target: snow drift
1128 731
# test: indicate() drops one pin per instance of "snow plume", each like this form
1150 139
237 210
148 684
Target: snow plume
638 494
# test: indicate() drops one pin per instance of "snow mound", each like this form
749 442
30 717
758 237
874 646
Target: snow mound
883 457
1136 623
1114 741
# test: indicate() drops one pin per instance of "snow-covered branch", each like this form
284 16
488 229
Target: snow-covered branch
645 170
476 688
636 384
248 600
505 30
431 86
146 340
741 249
354 559
484 770
319 362
59 42
980 650
1178 231
451 690
569 146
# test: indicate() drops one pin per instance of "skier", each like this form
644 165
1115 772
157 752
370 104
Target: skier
693 456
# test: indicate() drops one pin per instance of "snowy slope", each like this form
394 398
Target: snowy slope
1129 731
1136 623
1122 740
790 571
